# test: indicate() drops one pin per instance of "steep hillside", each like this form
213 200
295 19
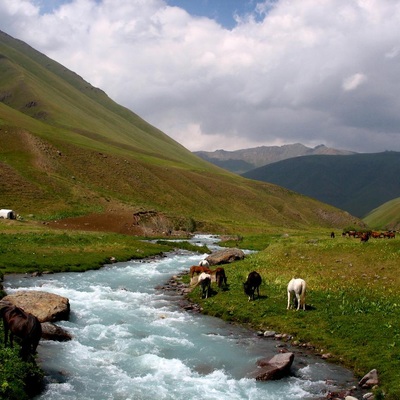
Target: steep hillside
356 183
241 161
66 150
386 216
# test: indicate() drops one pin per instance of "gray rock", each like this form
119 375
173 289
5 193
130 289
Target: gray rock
225 256
47 307
269 333
275 368
370 379
51 331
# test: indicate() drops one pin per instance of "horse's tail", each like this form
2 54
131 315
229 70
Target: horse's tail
303 292
196 284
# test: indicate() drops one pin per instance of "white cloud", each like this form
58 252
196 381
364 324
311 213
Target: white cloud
354 81
291 73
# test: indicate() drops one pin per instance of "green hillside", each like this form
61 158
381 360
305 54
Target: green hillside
357 183
387 216
67 149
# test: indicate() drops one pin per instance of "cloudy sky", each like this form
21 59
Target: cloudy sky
232 74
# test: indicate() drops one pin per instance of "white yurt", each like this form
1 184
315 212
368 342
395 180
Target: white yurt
7 214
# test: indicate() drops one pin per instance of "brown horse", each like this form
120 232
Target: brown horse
198 269
220 277
24 325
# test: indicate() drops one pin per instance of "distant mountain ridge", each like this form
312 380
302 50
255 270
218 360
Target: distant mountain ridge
241 161
355 183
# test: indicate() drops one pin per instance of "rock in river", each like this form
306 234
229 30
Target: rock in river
47 307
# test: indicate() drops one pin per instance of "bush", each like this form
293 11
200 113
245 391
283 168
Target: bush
19 380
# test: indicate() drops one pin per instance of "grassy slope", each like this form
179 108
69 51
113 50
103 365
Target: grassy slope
69 149
387 216
356 183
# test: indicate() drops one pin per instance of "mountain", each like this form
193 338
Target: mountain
68 150
241 161
355 183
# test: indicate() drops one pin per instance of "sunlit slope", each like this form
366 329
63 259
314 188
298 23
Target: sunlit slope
66 148
386 216
43 89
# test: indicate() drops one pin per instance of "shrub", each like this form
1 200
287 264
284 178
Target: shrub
19 380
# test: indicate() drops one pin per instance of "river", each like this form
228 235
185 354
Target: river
132 341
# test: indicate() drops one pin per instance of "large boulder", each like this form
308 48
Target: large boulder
225 256
47 307
275 368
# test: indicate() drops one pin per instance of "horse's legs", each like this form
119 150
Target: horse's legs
298 301
11 339
303 299
289 298
5 334
208 290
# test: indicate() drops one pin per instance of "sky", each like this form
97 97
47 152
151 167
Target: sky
233 74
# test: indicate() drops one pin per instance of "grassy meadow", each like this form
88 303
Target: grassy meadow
353 305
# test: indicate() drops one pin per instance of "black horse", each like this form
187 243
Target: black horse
23 325
252 284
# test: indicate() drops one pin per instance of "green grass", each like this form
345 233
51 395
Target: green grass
387 216
68 251
352 299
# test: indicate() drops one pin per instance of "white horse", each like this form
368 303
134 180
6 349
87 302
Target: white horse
204 263
205 281
297 287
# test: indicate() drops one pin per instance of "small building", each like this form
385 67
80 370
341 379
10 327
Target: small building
7 214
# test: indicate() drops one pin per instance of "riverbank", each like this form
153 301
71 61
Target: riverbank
127 335
304 352
353 310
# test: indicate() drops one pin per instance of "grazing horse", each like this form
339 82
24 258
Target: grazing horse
365 237
389 234
205 281
297 289
220 277
24 325
252 284
204 263
195 269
